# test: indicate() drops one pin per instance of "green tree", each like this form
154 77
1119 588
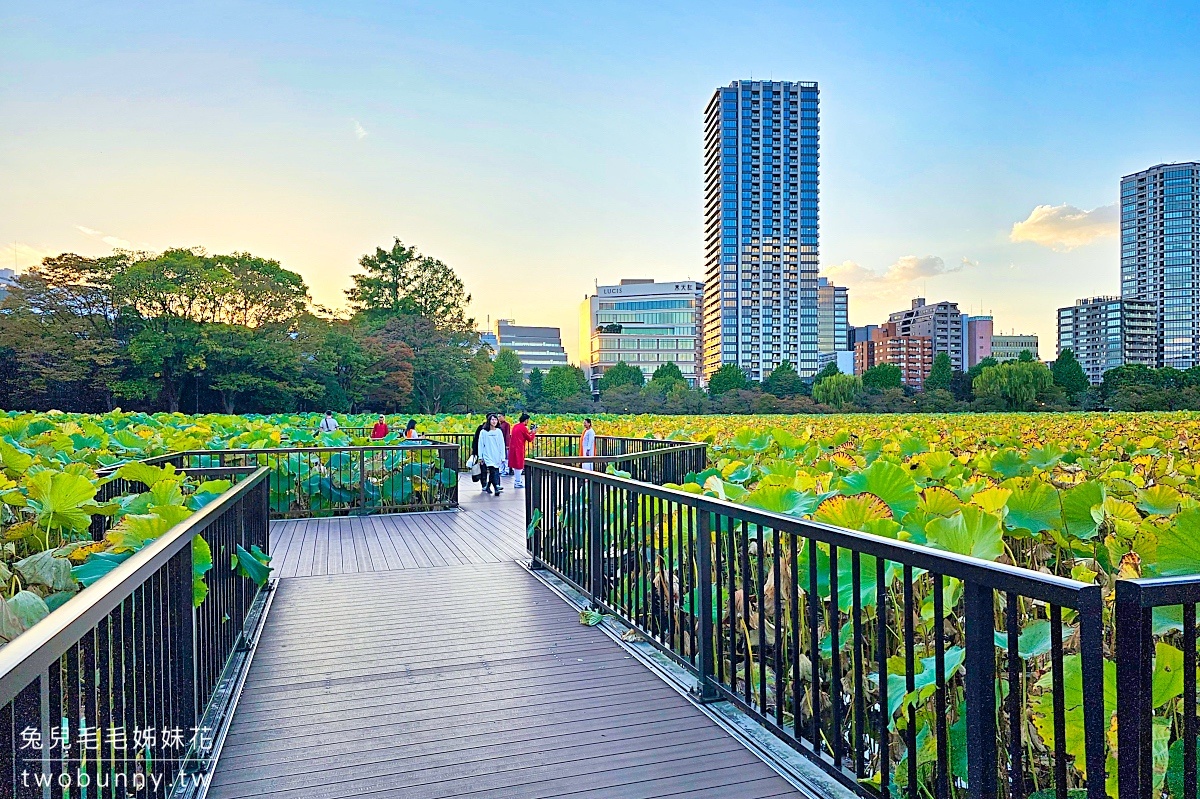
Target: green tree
828 370
883 377
668 371
1016 384
535 388
239 360
941 374
58 328
1025 356
1069 374
621 374
442 378
402 281
784 381
565 382
507 372
838 390
728 378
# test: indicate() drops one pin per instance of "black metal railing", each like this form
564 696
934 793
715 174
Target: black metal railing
1156 645
339 481
109 694
901 670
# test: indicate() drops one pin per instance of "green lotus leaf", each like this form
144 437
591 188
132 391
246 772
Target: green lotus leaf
28 607
1073 697
61 499
1159 500
1179 545
972 531
1033 507
780 499
854 512
97 565
1077 505
886 480
253 566
1035 638
148 475
15 461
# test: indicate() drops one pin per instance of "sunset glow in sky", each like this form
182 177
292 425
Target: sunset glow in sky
970 154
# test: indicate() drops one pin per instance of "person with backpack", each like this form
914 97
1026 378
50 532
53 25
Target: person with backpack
328 424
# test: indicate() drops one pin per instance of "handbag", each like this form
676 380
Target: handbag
473 466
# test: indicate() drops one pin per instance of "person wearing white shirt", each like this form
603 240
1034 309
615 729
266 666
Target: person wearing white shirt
328 424
587 444
491 454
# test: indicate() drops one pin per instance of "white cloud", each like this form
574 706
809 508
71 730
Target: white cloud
906 269
360 132
20 257
1065 227
112 241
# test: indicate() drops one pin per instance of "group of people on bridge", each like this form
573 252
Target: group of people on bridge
498 449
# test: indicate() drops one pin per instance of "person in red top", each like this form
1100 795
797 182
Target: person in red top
506 429
381 427
521 435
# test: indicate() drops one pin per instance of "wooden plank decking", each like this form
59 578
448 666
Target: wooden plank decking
420 661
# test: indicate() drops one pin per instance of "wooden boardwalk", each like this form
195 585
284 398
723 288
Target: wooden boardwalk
415 659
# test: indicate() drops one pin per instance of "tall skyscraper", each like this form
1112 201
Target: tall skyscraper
1160 255
760 215
833 308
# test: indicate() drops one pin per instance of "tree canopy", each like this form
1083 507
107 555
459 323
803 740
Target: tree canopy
727 378
883 376
621 374
941 374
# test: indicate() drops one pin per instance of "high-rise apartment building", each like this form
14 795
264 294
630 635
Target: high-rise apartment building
1106 332
537 347
1009 346
941 323
1160 255
977 339
761 227
642 323
833 308
912 354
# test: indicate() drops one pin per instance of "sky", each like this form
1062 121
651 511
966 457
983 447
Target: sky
969 151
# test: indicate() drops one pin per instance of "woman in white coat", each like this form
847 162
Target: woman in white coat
491 454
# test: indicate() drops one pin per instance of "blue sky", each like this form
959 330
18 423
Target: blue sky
539 147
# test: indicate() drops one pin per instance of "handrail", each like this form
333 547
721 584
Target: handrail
31 652
699 577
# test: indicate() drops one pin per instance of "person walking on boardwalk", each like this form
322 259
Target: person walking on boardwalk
482 477
381 429
328 424
491 454
523 433
587 444
505 428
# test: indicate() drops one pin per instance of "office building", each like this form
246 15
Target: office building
1107 332
912 354
537 347
977 339
487 338
642 323
1009 346
859 333
941 323
832 318
761 227
1160 255
843 358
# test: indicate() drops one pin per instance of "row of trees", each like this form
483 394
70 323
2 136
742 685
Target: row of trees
185 330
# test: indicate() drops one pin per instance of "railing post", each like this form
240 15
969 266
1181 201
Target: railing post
362 479
704 586
595 545
533 501
980 607
1134 776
